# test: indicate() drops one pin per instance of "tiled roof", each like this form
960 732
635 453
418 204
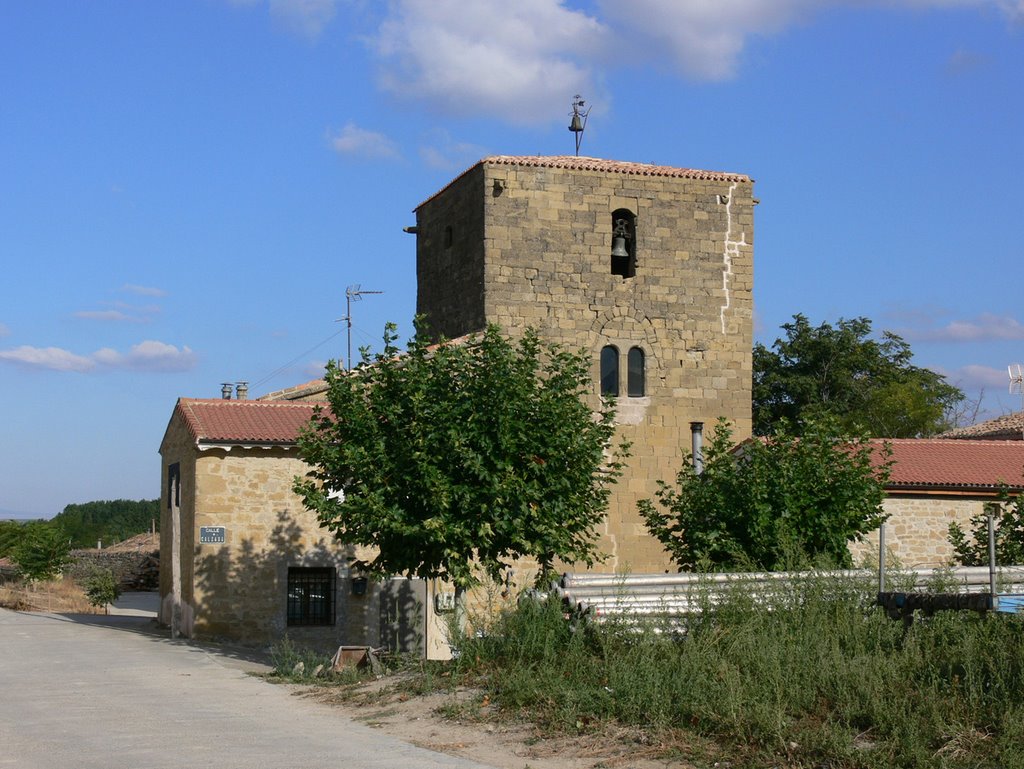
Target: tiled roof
573 163
936 464
213 420
297 392
1007 427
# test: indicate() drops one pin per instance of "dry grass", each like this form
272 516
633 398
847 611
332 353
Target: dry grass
61 596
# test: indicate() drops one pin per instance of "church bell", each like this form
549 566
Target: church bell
619 247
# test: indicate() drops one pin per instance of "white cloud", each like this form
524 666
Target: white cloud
306 18
121 312
53 358
353 140
976 377
148 356
4 330
445 154
986 327
115 315
143 290
145 356
520 61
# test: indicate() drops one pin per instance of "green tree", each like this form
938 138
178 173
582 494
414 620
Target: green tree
866 384
464 454
771 503
111 520
42 552
1008 515
102 588
11 533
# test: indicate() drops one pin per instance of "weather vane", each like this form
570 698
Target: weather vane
579 120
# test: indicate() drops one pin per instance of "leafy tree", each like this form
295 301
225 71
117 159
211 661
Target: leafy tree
866 384
771 503
42 552
107 520
102 588
11 533
1008 514
475 452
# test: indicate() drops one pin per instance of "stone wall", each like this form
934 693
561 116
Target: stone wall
545 262
916 533
134 571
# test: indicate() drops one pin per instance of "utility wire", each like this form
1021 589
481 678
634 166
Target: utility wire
296 359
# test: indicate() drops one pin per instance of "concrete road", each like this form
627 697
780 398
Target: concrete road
94 692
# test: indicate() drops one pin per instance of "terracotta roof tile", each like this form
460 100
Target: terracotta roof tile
573 163
938 464
213 420
296 392
1007 427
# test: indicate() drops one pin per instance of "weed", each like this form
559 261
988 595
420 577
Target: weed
806 674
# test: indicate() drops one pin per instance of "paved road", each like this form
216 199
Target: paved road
109 693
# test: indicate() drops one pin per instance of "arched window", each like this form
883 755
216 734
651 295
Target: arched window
610 371
635 373
623 243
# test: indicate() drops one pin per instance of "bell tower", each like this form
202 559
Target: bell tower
647 268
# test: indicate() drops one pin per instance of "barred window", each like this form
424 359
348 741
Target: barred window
310 596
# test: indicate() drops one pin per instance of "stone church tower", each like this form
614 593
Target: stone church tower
648 268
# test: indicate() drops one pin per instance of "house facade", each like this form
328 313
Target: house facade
935 482
243 560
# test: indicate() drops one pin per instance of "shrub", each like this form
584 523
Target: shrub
102 588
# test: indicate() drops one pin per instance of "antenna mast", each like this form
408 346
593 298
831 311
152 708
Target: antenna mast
352 294
1016 382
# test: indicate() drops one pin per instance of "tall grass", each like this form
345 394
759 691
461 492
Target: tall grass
812 674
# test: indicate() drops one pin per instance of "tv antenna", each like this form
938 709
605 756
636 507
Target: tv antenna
352 294
1016 381
579 120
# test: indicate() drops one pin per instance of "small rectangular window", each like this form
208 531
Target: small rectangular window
635 373
310 596
610 371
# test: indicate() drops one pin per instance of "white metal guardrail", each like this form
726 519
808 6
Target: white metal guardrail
624 596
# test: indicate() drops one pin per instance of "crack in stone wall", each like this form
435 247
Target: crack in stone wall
732 248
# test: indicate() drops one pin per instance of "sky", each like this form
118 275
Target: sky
187 189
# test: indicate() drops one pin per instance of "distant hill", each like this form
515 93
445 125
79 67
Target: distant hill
108 521
19 515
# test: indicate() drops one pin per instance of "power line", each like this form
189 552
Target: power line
295 360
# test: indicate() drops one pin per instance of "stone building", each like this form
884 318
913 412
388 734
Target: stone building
242 559
1008 427
648 268
935 482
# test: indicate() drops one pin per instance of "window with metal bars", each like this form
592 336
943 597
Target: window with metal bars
310 596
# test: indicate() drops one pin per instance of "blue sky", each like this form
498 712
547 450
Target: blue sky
187 188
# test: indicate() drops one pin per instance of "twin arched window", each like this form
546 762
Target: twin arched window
635 372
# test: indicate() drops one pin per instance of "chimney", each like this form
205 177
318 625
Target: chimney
225 391
242 391
697 446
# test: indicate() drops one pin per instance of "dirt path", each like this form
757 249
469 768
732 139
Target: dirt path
464 724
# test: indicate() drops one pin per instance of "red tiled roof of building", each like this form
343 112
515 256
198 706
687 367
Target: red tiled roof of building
217 421
574 163
1008 427
936 464
304 390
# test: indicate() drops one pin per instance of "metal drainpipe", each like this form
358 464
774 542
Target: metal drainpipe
697 446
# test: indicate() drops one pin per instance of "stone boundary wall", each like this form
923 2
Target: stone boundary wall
134 570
